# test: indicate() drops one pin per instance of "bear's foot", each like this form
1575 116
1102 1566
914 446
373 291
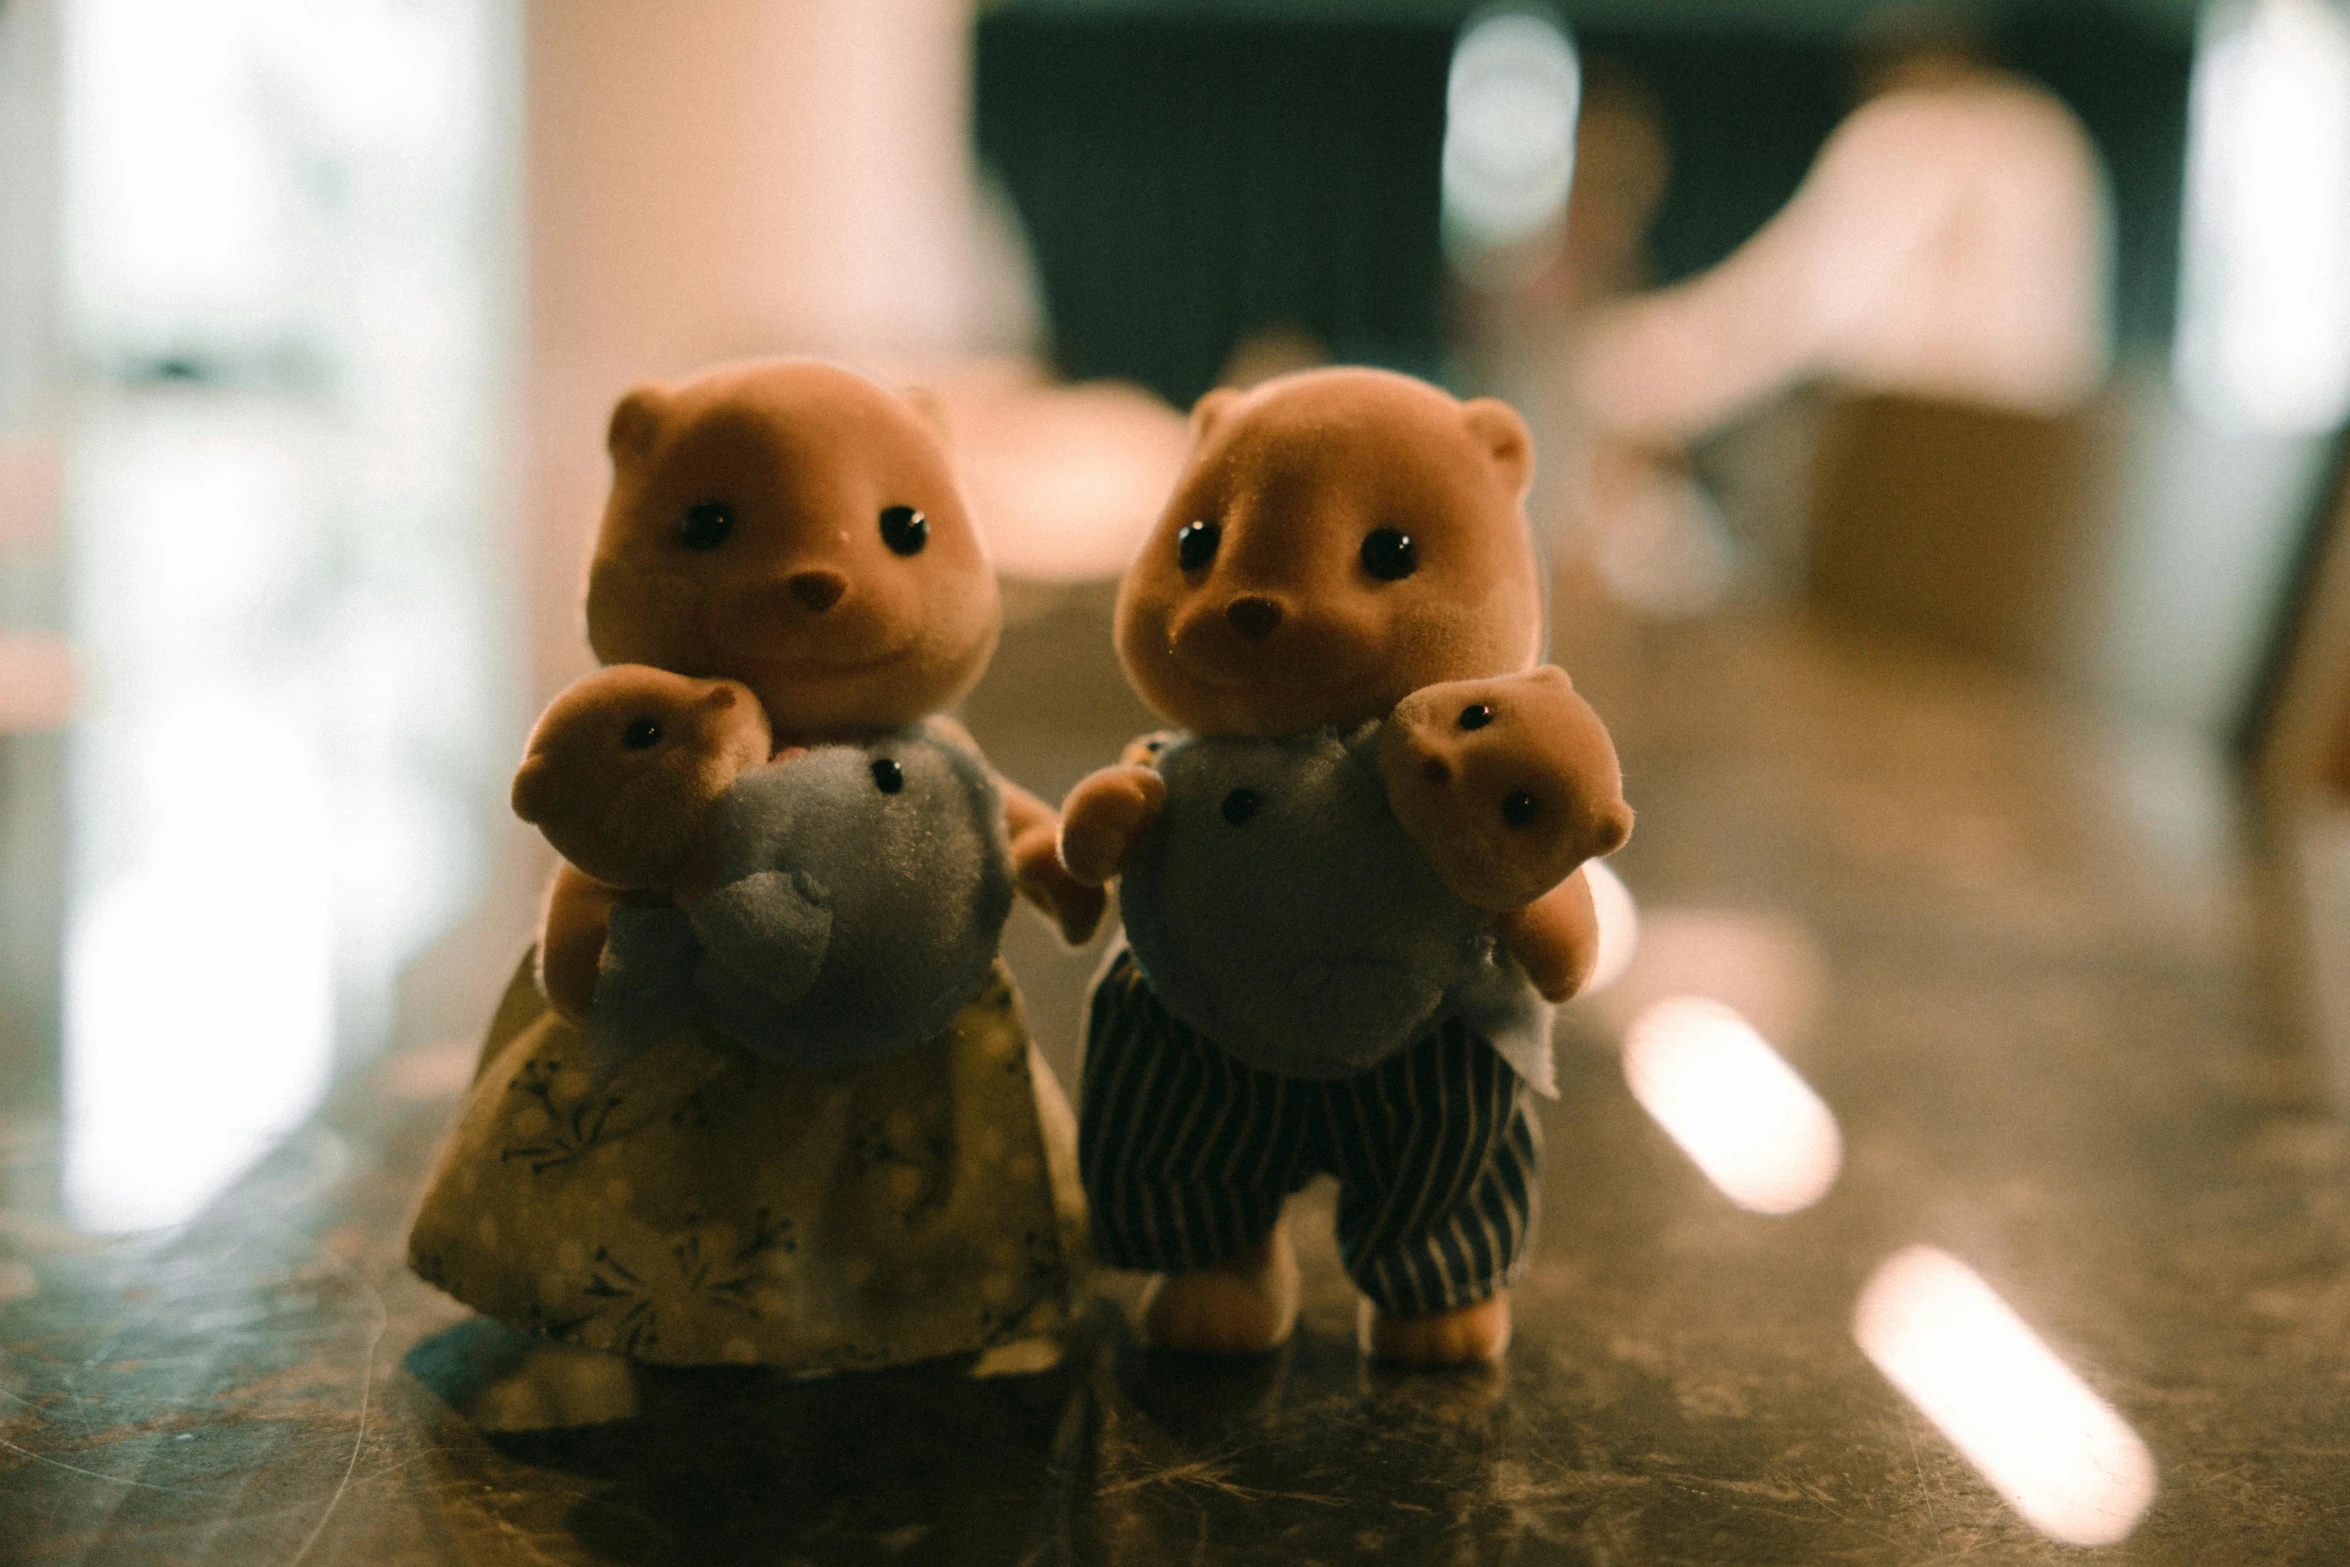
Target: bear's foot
1244 1306
1464 1336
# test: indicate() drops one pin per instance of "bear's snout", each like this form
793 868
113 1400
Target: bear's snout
1253 617
817 591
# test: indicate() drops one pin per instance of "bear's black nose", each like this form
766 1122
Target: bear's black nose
818 590
1253 617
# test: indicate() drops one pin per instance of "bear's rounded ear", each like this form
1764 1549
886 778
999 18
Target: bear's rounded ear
1613 829
931 411
1211 407
1496 427
636 422
531 785
1552 675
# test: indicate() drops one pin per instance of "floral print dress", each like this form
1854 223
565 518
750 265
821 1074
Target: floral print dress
709 1206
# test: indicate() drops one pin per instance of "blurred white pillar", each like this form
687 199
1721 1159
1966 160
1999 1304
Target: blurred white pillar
714 178
31 776
28 207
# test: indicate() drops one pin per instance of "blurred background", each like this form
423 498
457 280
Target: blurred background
2018 333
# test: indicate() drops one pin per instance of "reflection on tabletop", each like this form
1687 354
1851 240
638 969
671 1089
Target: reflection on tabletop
2028 1236
1937 1172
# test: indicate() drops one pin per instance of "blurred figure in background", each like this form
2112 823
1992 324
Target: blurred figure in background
1948 250
1522 311
1948 243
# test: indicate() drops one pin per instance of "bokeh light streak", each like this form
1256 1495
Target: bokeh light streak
1741 1113
1619 926
2053 1449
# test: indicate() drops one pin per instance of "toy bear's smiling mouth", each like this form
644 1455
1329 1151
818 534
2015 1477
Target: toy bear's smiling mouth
827 663
1214 649
1237 671
850 639
1308 671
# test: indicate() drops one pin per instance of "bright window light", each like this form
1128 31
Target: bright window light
2264 302
1509 130
2054 1450
286 221
199 985
1741 1113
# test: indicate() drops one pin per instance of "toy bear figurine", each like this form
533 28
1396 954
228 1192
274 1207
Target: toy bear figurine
1350 884
794 528
624 769
623 775
833 907
1508 786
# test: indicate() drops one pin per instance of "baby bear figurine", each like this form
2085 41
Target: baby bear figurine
1508 786
1350 884
623 774
785 548
624 769
832 908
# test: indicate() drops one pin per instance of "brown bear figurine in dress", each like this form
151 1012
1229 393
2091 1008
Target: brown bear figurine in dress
794 528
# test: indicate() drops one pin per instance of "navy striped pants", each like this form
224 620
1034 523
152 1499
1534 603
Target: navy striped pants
1188 1153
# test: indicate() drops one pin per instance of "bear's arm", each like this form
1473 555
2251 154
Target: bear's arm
571 940
1037 870
1033 830
1555 938
1104 816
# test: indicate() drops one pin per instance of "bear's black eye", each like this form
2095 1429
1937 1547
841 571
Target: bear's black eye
888 776
642 735
1389 556
1476 716
706 525
1517 808
1195 544
1240 805
904 529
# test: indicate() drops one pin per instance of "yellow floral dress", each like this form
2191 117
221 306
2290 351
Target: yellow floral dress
711 1206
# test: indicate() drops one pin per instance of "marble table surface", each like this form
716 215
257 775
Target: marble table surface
2062 1170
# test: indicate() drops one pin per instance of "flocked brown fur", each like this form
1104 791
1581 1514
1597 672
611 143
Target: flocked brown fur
1507 784
803 600
1455 754
1287 629
622 770
1297 472
814 1254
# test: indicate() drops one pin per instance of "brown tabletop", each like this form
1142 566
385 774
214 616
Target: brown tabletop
2010 946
